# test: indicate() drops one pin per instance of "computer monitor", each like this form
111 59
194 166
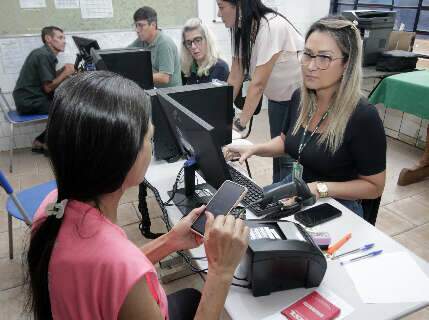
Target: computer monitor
132 63
85 45
210 101
198 141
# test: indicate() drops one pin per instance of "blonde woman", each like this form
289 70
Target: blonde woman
199 56
336 137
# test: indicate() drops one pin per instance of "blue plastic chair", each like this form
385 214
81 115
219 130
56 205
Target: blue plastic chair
24 204
15 119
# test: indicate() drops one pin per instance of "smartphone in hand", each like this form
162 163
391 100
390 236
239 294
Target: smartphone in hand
227 197
317 215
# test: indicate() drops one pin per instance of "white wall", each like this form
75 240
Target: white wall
302 13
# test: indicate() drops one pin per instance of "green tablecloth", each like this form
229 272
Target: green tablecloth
408 92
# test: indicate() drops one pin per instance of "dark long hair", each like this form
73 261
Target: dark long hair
246 28
96 128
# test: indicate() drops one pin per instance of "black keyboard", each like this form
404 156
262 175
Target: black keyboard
254 193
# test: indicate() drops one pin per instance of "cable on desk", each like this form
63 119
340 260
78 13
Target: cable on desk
166 220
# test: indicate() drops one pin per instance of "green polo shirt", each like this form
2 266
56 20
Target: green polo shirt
38 68
164 56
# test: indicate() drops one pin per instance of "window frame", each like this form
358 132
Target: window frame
419 8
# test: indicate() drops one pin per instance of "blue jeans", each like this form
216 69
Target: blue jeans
277 113
353 205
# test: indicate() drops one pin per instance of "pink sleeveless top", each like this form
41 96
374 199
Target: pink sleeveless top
93 265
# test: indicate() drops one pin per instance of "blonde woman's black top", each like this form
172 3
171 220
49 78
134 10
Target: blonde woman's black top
363 151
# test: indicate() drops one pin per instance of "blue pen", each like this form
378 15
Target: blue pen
369 255
362 249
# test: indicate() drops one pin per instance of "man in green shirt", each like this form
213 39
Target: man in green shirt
166 73
164 53
38 78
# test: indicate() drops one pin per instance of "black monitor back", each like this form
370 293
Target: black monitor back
132 63
85 45
211 102
198 140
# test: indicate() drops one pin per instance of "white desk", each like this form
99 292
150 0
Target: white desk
241 304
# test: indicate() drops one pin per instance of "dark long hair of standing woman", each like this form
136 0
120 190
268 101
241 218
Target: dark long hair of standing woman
247 22
96 127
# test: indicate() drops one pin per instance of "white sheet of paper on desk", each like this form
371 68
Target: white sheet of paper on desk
389 278
345 308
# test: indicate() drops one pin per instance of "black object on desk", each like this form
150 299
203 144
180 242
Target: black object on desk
293 261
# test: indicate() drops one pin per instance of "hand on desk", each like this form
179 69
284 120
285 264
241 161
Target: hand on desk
182 235
225 242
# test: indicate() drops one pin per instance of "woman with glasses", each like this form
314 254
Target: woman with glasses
199 56
336 138
265 46
81 264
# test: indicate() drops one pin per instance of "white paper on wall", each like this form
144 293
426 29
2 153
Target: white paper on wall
27 4
66 4
93 9
12 56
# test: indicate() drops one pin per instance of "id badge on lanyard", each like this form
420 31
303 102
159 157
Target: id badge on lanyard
297 170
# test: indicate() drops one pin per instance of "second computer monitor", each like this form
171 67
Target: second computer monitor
197 139
134 64
85 45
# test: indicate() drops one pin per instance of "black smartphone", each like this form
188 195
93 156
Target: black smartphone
224 200
317 215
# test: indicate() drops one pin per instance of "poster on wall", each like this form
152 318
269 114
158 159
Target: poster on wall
93 9
66 4
29 4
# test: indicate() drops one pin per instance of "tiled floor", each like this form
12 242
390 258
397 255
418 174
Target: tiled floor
404 215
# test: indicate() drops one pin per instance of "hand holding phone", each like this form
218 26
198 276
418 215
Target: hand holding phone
317 215
225 199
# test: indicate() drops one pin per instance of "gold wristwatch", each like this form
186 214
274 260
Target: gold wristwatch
322 189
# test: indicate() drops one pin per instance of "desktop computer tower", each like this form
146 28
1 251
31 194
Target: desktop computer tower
210 101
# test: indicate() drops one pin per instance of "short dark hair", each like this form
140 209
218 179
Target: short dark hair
146 13
49 31
97 124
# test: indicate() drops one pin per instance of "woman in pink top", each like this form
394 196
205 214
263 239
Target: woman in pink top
80 263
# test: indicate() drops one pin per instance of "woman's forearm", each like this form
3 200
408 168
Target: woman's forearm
213 297
159 248
254 94
272 148
354 190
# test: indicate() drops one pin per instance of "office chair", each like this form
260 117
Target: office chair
24 204
239 103
370 209
15 119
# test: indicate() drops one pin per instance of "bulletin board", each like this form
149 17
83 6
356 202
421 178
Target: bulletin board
15 20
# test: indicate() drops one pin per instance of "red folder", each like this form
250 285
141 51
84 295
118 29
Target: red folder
311 307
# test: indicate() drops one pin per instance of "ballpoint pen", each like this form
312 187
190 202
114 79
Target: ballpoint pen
369 255
339 244
362 249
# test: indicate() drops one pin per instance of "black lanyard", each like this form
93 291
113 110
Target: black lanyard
304 143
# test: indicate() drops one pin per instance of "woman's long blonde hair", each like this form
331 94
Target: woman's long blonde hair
212 53
349 93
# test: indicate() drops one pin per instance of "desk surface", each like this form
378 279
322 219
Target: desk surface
408 92
241 304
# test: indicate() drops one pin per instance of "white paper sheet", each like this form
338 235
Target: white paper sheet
345 308
66 4
27 4
389 278
12 56
96 9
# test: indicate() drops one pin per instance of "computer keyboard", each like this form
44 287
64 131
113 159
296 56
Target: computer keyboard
254 193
